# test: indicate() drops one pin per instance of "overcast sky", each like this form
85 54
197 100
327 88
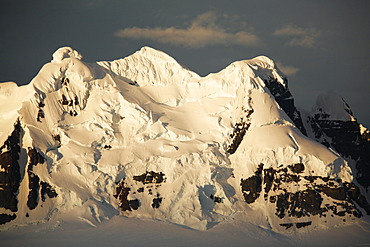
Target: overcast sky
320 45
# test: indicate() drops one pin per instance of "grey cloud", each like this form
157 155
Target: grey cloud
287 69
304 37
203 31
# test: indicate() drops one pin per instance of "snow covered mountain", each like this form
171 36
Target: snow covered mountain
144 137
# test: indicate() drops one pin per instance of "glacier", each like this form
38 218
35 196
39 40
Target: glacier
145 138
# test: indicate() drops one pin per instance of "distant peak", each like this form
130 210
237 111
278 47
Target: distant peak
65 52
332 106
148 49
151 52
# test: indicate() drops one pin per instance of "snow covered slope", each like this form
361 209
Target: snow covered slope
144 137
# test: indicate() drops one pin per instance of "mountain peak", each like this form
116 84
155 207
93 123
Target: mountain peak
147 50
262 61
331 106
64 53
150 67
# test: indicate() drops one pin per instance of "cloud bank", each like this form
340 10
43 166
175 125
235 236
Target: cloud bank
203 31
298 36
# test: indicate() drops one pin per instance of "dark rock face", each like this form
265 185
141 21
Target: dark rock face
134 204
303 224
157 202
298 204
33 199
40 113
10 177
297 168
347 140
252 186
47 189
285 99
216 198
298 224
4 218
122 193
277 185
70 103
150 177
151 180
318 133
240 128
57 140
355 195
34 180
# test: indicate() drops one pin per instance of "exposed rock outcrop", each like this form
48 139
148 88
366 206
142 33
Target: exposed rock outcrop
10 174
